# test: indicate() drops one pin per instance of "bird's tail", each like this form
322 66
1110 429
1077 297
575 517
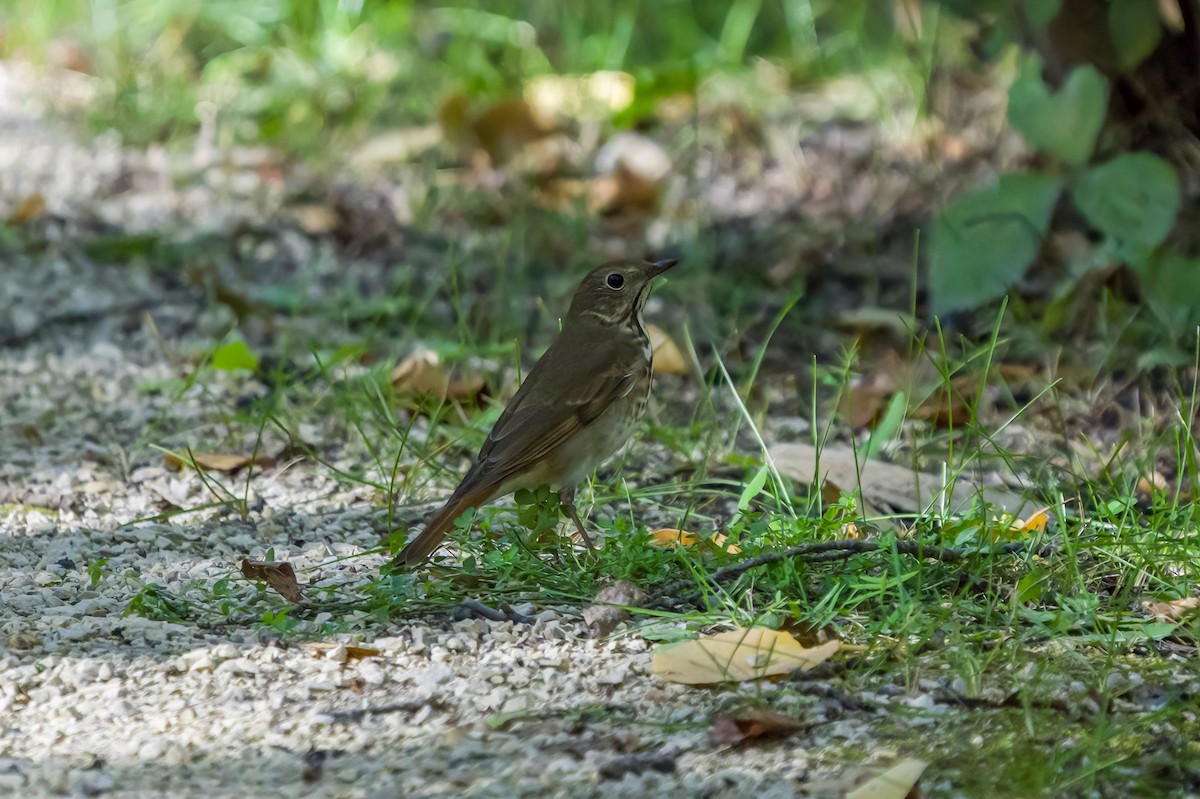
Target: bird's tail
429 539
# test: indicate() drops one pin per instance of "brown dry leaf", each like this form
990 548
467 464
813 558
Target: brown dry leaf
353 651
279 575
500 130
421 374
946 407
895 783
1172 609
608 607
863 405
668 360
737 655
670 537
214 461
30 209
751 725
881 483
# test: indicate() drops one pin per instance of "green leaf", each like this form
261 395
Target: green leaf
983 242
122 248
1064 123
1032 586
754 487
1041 12
1135 29
1132 199
234 355
888 426
1171 287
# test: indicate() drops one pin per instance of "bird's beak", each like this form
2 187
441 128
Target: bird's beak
658 267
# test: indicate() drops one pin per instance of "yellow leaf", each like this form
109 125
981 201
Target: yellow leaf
353 651
1035 523
668 360
736 655
895 783
669 537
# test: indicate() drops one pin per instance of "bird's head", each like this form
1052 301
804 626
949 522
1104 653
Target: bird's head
616 291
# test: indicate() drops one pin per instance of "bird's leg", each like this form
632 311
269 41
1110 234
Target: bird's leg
567 500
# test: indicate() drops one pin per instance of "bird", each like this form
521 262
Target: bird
578 405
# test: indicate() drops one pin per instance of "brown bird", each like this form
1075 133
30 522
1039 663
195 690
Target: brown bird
578 405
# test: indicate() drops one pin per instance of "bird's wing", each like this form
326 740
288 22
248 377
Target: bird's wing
546 411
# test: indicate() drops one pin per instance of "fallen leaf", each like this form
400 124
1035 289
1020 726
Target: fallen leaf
500 130
1035 522
214 461
895 783
737 655
421 374
279 575
669 537
1172 609
668 360
750 725
30 209
608 607
878 483
353 651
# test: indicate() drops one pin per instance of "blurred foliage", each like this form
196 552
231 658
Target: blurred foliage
291 71
984 241
304 75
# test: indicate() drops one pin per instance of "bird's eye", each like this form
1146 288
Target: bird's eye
615 281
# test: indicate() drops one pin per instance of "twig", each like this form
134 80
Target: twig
12 338
827 551
354 716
